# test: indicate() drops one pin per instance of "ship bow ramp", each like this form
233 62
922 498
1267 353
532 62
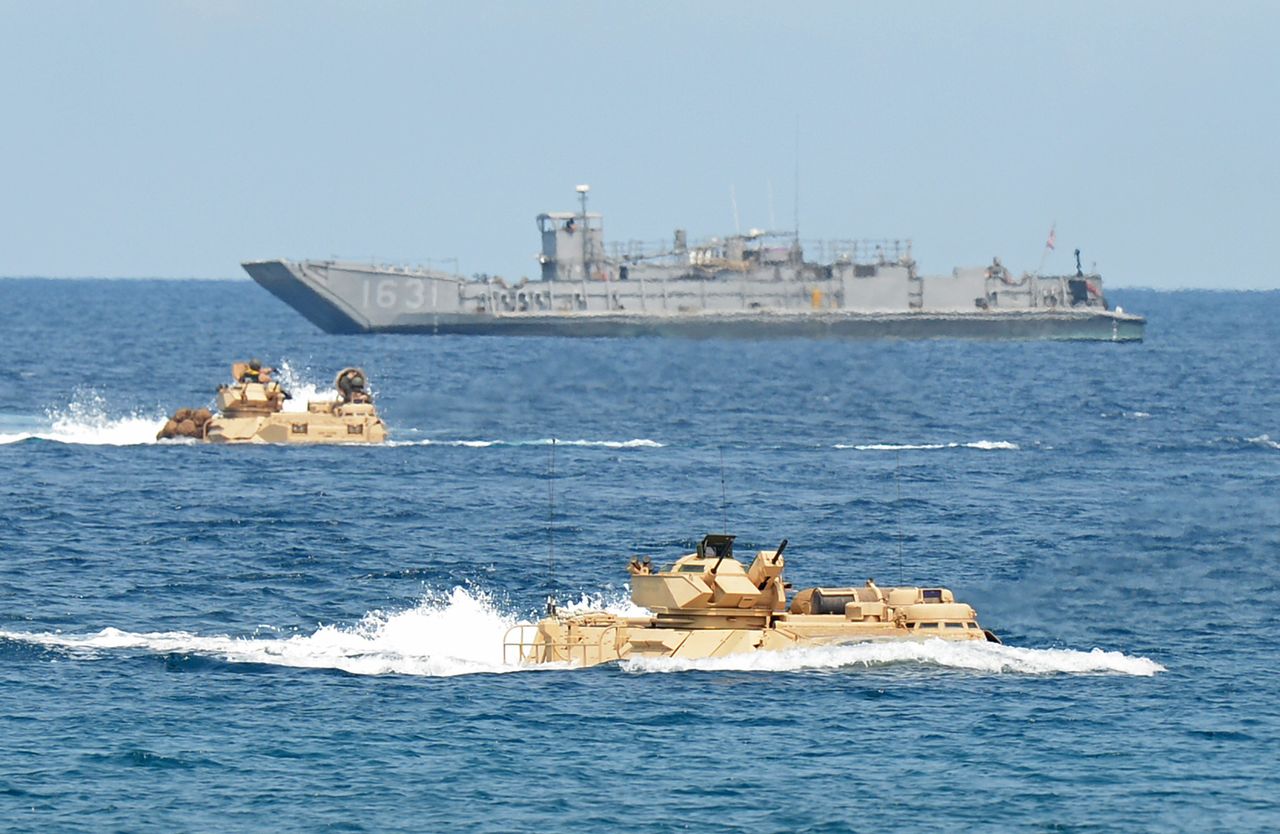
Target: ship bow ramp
309 292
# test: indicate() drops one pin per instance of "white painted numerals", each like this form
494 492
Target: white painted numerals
385 294
416 294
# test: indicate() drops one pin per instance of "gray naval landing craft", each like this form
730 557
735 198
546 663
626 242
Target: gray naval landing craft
753 284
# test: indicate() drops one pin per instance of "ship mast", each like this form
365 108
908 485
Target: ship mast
586 263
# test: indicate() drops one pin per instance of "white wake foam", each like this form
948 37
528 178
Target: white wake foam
454 634
1264 441
462 632
302 388
638 443
984 445
975 656
85 420
613 602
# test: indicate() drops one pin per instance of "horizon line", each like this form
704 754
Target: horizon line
247 279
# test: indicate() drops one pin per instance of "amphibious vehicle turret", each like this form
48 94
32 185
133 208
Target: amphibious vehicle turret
708 604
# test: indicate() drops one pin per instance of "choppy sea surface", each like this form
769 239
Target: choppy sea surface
309 639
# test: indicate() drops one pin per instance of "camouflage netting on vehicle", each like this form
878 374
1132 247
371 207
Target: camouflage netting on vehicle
186 422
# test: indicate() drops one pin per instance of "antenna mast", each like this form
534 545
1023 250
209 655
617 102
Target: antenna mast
724 496
551 532
586 227
897 509
773 222
797 204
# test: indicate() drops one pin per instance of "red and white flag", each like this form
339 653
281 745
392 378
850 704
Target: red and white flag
1048 244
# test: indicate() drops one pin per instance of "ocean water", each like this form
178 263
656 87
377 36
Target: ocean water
309 639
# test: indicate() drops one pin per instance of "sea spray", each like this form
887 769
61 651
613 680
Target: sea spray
86 420
463 632
972 656
636 443
456 633
302 388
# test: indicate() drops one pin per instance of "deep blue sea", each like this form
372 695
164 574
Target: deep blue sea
309 639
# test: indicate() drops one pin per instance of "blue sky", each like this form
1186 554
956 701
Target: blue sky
178 138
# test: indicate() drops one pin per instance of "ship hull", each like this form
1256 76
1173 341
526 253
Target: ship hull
323 308
1030 325
348 298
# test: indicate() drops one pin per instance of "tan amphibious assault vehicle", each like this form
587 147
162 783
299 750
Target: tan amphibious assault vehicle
708 605
252 410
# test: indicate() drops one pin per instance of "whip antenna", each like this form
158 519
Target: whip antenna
551 530
897 510
724 496
796 218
